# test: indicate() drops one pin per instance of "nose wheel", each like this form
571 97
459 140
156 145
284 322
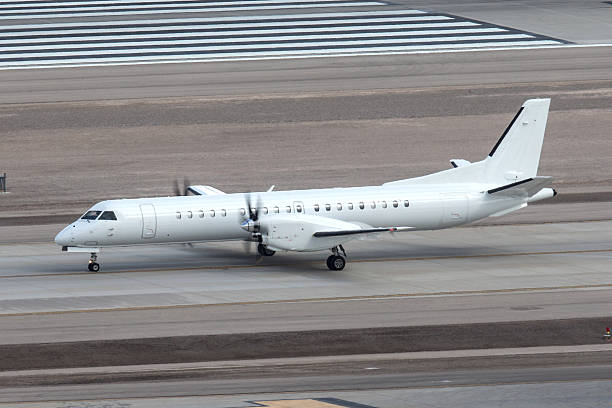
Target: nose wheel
93 265
336 262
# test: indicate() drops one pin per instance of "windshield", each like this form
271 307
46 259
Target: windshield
108 215
91 215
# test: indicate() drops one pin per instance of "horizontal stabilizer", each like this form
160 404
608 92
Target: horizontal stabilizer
527 187
204 190
459 162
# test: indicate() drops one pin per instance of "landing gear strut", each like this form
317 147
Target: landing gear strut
93 265
336 262
264 251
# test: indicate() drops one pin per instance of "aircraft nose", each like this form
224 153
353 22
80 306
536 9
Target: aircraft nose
64 237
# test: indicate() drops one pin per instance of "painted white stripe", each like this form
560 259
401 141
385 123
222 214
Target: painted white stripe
276 54
109 4
268 40
221 27
297 17
175 11
172 37
9 4
102 2
532 45
69 53
177 6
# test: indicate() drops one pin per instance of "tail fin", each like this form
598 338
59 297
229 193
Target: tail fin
514 157
516 154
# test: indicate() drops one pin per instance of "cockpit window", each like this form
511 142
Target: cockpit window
108 215
91 215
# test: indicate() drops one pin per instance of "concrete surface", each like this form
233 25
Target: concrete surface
40 278
575 386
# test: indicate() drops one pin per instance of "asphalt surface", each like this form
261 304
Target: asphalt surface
328 383
303 343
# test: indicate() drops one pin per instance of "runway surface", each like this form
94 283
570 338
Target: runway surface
303 34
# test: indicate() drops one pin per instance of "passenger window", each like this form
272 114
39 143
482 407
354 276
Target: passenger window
384 204
276 210
212 213
316 207
327 207
350 206
201 214
406 203
373 205
189 214
91 215
298 208
178 215
361 205
264 210
339 206
223 213
108 215
395 204
288 208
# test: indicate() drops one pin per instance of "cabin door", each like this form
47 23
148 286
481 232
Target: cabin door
455 209
149 221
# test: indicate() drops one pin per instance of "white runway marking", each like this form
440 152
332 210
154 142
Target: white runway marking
67 9
230 20
279 31
261 41
251 37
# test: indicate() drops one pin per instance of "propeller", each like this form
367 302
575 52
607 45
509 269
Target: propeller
251 223
185 190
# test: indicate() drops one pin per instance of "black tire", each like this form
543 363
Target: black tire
336 263
93 267
264 251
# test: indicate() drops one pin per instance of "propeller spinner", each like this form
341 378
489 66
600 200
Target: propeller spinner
251 223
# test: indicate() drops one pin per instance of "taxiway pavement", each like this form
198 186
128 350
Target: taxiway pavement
489 273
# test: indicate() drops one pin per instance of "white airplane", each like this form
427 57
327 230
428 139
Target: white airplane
323 219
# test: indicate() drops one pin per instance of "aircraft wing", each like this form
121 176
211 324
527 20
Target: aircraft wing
339 233
204 190
526 188
303 232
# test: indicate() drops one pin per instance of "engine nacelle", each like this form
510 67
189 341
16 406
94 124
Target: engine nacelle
296 232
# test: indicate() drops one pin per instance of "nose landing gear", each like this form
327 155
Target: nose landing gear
336 262
93 265
264 250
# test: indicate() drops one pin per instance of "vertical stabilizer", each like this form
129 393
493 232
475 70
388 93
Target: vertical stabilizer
516 154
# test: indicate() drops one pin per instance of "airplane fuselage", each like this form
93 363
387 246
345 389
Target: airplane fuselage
219 217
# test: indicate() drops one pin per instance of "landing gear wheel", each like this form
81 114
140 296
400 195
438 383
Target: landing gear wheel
93 267
336 262
264 251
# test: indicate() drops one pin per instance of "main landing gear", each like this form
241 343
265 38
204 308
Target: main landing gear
264 251
336 262
93 265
